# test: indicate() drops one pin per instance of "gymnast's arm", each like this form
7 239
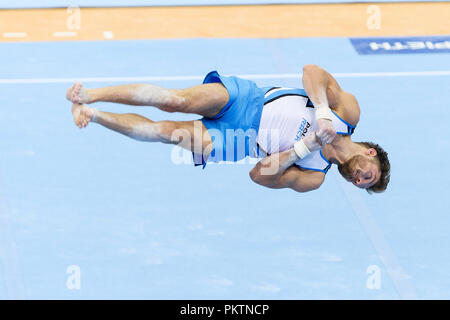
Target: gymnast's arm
322 88
277 171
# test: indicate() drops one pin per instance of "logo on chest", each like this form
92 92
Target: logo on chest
302 129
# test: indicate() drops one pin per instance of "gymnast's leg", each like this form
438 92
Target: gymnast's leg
191 135
205 99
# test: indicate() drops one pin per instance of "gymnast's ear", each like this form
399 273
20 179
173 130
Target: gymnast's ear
371 152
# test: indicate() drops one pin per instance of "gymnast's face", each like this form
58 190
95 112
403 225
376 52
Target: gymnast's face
362 170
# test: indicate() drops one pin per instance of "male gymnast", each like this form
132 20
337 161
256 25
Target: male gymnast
299 132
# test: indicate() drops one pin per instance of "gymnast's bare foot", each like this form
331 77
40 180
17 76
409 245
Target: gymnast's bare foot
78 94
82 115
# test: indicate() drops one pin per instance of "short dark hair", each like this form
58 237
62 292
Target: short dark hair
385 168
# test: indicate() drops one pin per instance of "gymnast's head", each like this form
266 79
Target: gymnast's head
369 169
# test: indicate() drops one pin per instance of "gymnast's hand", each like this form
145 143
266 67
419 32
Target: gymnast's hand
312 142
326 132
